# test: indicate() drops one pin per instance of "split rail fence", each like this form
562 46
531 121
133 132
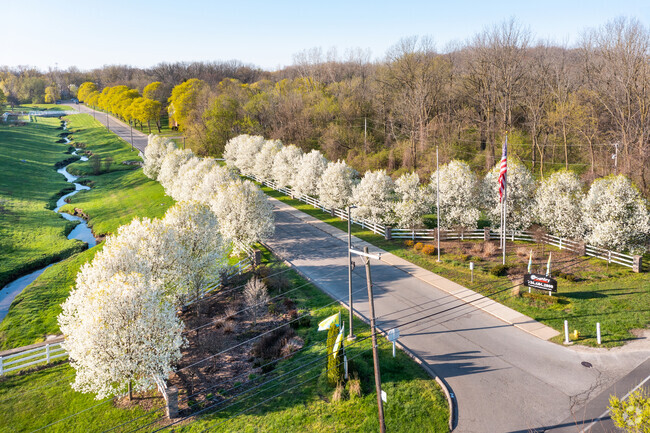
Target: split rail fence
388 232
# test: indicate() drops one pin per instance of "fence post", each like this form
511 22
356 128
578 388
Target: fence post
582 249
486 234
332 212
257 258
47 353
388 233
560 243
637 263
172 402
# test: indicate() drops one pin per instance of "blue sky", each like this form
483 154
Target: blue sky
44 33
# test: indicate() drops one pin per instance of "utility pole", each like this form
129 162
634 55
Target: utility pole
615 158
351 336
438 203
373 330
365 134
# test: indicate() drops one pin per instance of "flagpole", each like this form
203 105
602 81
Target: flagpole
438 202
505 204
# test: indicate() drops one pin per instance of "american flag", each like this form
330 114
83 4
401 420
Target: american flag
503 171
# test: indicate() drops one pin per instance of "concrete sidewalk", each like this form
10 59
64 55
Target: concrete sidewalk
494 308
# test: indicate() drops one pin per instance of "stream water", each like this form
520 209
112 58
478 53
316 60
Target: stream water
81 232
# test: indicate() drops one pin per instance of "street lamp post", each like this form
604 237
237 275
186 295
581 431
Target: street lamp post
351 336
131 136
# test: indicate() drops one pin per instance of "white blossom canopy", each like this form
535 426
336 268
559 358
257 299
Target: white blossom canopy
336 185
374 197
558 204
616 215
459 206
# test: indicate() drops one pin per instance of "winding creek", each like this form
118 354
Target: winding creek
81 232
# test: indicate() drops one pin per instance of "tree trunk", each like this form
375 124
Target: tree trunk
149 125
130 391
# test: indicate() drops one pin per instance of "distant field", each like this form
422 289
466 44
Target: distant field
31 235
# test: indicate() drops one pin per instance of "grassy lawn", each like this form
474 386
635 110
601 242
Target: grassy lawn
33 313
119 195
415 402
116 198
31 235
612 295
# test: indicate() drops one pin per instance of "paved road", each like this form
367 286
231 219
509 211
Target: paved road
504 379
121 129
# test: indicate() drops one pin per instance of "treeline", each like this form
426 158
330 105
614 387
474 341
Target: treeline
584 107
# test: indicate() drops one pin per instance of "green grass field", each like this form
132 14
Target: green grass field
612 295
31 235
415 402
116 197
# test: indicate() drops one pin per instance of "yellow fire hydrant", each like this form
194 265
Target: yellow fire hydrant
576 334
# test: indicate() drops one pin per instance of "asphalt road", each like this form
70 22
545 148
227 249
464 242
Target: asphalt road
504 379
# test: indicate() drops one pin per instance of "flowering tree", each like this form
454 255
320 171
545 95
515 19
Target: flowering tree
244 213
264 159
558 204
520 202
157 148
285 165
190 176
336 185
616 215
413 201
242 150
199 252
374 197
311 168
458 195
170 165
119 332
213 181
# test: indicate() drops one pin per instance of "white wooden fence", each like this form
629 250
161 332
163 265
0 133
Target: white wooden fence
622 259
30 357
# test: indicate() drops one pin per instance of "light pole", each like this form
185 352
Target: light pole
351 336
438 203
131 124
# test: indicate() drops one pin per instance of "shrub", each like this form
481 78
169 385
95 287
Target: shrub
409 243
339 393
489 249
292 345
354 386
418 246
304 320
499 270
334 362
256 297
270 345
429 250
632 414
476 250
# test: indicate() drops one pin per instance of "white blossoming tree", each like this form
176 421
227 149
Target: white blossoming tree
199 252
213 181
458 196
414 201
616 215
244 213
285 165
374 197
120 332
190 177
558 204
521 196
242 150
336 185
157 148
264 159
311 168
170 165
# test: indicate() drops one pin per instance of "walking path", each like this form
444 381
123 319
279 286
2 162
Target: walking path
503 374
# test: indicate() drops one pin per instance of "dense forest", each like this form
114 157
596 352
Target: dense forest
584 107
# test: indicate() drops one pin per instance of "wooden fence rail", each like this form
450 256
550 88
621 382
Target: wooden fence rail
26 358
